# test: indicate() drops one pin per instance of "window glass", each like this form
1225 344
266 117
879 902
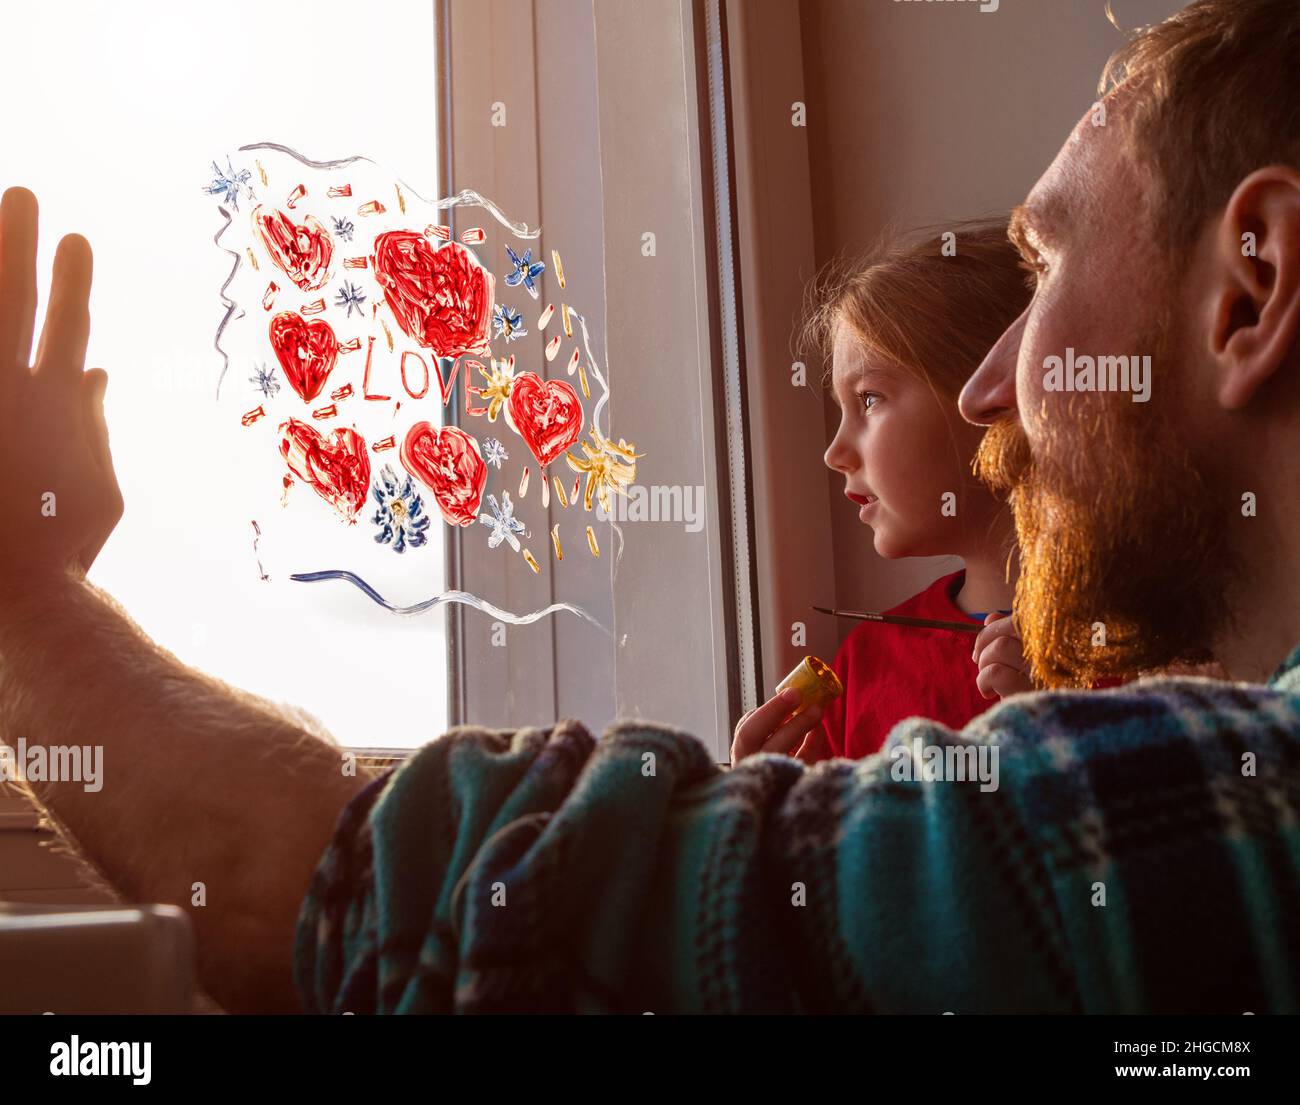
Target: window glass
124 109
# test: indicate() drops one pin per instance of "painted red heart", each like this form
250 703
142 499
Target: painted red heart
337 468
546 414
302 252
441 298
449 463
306 351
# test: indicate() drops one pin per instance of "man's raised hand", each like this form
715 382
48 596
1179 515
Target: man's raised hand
59 498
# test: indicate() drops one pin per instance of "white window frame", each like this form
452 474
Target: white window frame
606 118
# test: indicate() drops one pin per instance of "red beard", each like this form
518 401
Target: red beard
1124 553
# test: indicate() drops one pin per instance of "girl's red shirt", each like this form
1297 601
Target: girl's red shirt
894 672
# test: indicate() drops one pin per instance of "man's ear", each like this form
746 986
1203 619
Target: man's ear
1256 299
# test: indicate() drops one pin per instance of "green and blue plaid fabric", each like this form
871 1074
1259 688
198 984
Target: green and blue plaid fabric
1140 853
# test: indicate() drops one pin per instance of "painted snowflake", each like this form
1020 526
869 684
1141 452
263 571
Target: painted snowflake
503 523
494 452
351 297
229 184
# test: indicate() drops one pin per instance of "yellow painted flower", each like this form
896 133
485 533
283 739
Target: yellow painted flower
609 468
499 382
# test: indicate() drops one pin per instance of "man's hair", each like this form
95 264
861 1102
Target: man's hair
933 315
1220 98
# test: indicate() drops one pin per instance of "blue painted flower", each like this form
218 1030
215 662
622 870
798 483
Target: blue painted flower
526 271
509 324
400 517
343 228
229 184
503 523
350 297
494 452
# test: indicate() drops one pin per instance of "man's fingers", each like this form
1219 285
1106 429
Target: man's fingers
91 549
93 387
67 319
18 217
95 426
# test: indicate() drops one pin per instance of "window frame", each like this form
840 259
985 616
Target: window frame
671 588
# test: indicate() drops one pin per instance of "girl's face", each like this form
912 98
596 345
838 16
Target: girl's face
905 455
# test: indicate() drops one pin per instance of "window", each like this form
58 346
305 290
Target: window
126 108
530 103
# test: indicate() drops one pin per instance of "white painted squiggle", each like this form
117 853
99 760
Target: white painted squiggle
595 417
463 597
467 197
595 368
230 305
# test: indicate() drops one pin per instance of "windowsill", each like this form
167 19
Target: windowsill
378 759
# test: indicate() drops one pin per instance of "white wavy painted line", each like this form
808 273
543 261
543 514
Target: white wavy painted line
463 597
467 197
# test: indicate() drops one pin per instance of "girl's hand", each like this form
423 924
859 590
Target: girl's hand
1003 670
815 748
770 728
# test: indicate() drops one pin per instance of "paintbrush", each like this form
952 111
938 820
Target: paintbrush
898 619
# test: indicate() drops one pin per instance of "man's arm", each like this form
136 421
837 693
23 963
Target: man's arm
202 784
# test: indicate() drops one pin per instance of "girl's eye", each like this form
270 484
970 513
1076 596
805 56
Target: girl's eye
869 399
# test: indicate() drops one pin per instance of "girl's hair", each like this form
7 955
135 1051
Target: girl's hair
933 311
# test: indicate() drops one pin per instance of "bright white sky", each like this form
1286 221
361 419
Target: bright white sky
115 113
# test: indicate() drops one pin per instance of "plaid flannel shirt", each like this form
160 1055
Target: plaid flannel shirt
1140 853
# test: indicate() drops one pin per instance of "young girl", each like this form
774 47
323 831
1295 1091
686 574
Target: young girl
905 327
